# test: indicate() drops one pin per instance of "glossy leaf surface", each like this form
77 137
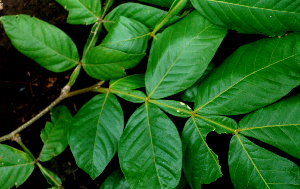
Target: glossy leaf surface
128 83
128 36
181 55
146 15
271 18
104 64
115 180
15 166
54 135
277 124
251 166
190 94
150 150
82 11
47 45
254 76
95 133
200 163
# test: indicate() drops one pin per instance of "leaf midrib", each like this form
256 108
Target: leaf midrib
223 2
268 126
43 44
177 60
244 79
237 136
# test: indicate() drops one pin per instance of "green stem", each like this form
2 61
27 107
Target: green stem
99 24
108 4
50 176
170 14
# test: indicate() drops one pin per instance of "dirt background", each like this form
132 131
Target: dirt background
27 88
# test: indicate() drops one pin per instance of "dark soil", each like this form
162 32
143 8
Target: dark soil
27 88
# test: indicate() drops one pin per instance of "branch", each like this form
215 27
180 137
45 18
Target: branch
64 94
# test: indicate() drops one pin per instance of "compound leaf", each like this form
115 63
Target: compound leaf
252 17
104 64
15 166
200 163
181 55
82 11
134 96
277 124
146 15
128 83
251 166
47 45
150 150
95 132
54 135
254 76
128 36
115 180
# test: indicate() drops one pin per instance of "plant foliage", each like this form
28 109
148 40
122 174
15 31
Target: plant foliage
152 151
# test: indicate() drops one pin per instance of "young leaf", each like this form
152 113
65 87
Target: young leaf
47 45
150 150
128 83
251 166
134 96
54 135
173 107
252 17
277 124
200 163
115 180
144 14
95 133
82 11
189 94
104 64
48 178
15 166
181 55
93 37
254 76
128 36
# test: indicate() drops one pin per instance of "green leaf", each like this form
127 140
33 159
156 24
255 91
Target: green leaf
277 124
144 14
189 94
82 11
173 107
47 45
48 178
252 17
134 96
128 83
107 5
251 166
150 150
93 37
181 55
15 166
221 124
95 133
200 163
54 135
115 180
128 36
254 76
105 64
163 3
